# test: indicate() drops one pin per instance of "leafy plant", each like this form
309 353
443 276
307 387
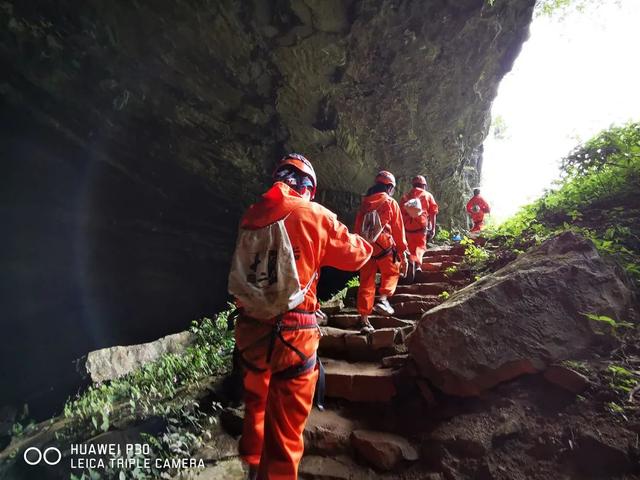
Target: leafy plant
353 282
576 365
451 270
608 321
442 236
597 197
444 295
475 256
342 294
622 379
614 408
141 391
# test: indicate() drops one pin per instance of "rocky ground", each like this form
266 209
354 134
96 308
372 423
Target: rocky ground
544 404
556 419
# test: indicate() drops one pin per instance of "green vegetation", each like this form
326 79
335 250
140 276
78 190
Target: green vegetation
621 379
598 196
351 283
578 366
450 270
166 388
153 389
444 295
616 409
354 282
613 325
499 128
556 8
475 256
442 235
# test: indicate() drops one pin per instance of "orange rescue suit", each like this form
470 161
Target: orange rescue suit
384 260
477 207
277 406
416 228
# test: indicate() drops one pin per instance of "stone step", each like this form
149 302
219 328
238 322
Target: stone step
449 250
410 297
327 432
414 307
338 340
440 276
424 288
444 258
438 266
359 382
394 361
354 346
350 319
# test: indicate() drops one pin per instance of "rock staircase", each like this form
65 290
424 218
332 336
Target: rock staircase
363 368
365 372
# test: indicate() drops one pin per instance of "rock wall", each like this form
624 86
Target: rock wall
134 133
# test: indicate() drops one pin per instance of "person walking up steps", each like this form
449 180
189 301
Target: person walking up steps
419 211
477 207
379 221
283 241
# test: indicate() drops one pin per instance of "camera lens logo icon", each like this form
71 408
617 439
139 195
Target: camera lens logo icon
50 456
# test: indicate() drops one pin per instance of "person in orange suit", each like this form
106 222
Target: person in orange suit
477 207
279 354
380 214
419 225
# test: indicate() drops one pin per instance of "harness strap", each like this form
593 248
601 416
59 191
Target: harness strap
383 253
296 370
302 356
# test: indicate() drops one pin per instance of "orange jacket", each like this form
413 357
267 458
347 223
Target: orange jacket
317 237
483 208
429 208
390 217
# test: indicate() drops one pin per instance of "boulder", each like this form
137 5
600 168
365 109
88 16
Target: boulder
114 362
520 319
384 451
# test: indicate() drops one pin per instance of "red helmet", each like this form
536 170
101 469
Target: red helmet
386 177
418 180
302 165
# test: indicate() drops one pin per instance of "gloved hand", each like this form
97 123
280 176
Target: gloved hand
404 264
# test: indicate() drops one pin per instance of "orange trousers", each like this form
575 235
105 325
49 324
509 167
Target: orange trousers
417 243
390 274
478 223
276 409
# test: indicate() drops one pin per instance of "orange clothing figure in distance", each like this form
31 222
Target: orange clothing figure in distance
417 228
477 207
280 364
388 250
